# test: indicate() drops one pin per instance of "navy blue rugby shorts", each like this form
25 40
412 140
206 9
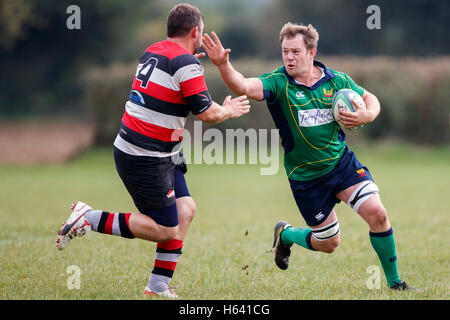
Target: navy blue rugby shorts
154 184
316 198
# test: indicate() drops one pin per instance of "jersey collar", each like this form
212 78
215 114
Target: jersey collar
327 75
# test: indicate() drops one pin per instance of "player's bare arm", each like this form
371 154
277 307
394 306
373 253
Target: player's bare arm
234 80
230 109
362 115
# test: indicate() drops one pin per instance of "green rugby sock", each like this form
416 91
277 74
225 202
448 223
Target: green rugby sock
300 236
384 245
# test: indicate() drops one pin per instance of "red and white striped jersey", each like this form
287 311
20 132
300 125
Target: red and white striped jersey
168 84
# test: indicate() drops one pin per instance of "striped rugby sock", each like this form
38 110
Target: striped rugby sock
110 223
167 254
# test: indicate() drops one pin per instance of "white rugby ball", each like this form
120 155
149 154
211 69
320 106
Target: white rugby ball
342 100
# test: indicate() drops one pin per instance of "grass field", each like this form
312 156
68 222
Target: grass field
225 253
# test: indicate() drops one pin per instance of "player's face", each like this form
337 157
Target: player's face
296 57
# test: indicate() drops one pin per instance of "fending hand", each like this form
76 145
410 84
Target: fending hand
215 50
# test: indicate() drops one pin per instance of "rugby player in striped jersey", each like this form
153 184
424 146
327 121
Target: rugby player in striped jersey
169 84
321 169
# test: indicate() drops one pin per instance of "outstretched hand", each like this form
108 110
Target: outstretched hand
215 50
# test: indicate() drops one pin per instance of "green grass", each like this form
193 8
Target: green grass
237 208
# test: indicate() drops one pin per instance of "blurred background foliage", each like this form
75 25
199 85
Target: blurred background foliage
51 71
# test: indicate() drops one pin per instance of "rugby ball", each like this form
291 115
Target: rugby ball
342 100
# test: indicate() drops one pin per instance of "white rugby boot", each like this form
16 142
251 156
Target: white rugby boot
169 293
76 226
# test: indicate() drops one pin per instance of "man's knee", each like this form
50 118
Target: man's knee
327 237
330 245
167 233
378 216
186 208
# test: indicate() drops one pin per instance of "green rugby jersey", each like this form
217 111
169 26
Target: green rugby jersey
313 142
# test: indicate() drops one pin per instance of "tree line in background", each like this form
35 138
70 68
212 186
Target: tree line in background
49 70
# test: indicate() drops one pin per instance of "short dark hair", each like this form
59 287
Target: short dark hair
182 18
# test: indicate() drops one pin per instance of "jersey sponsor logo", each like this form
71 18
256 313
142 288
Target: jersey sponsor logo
188 72
328 93
314 117
137 97
196 70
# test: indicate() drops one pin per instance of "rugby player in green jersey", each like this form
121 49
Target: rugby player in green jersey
321 169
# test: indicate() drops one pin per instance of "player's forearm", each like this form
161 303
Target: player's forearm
216 114
372 105
234 80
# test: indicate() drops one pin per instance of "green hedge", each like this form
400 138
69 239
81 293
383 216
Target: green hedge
414 96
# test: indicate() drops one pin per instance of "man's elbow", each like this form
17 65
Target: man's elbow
208 117
372 104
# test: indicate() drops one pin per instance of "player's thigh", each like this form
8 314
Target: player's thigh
149 180
150 183
144 227
315 200
332 217
371 208
185 203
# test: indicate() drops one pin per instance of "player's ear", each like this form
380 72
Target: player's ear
313 52
195 32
